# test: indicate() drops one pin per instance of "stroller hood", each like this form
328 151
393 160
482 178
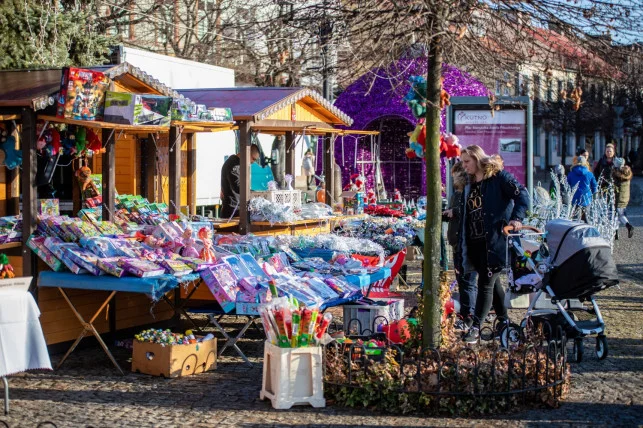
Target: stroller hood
581 261
565 238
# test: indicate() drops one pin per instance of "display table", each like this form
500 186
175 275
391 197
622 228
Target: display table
22 344
313 226
155 287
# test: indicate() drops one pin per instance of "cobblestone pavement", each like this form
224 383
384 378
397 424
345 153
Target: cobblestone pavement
87 391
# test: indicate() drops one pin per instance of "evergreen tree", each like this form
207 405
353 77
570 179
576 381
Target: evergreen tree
46 33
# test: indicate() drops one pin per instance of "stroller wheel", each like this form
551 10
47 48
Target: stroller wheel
510 335
601 347
577 350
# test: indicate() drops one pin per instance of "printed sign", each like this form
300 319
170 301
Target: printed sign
503 133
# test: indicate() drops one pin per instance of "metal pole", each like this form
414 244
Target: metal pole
530 151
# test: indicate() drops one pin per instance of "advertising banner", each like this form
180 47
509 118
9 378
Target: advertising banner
504 132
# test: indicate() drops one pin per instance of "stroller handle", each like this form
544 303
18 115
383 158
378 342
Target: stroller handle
508 229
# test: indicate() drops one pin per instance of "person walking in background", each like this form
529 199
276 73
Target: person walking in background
308 165
580 175
559 172
492 199
466 281
622 175
604 166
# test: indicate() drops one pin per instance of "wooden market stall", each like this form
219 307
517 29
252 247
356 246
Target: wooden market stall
278 111
130 164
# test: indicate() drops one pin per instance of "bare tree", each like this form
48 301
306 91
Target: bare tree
490 37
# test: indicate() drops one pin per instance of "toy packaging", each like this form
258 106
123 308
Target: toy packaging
137 109
85 259
59 249
141 268
110 266
82 94
222 282
48 207
175 267
195 263
37 244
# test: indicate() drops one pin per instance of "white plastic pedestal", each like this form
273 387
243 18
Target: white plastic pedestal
292 376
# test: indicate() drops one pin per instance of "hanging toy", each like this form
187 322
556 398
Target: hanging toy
445 98
207 253
417 142
415 98
351 183
449 146
54 141
94 143
81 141
6 270
12 157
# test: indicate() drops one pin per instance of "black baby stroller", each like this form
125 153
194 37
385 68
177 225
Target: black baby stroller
575 264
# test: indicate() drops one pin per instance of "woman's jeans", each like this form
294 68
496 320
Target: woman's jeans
490 291
621 216
467 289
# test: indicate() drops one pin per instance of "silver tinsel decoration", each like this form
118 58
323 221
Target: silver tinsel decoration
600 213
263 210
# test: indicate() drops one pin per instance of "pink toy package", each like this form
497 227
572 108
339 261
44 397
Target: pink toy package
222 283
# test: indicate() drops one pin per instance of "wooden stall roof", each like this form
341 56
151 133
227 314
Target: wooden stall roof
258 104
23 88
19 88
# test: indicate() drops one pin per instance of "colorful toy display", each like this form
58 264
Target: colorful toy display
82 94
288 325
137 109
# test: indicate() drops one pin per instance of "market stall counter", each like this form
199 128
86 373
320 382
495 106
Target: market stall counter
156 288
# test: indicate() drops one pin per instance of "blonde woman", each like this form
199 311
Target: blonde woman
493 198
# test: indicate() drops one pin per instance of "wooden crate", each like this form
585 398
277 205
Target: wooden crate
174 360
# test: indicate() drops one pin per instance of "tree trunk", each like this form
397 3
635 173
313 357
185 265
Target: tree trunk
432 232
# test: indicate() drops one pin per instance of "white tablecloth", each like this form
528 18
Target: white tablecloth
22 344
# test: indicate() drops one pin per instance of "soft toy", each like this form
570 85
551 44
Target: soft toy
415 98
371 199
397 196
81 140
93 142
445 98
359 182
417 142
6 270
351 184
207 253
54 141
12 157
69 144
449 146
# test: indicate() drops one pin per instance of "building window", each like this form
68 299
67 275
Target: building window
202 25
550 95
537 86
536 141
560 89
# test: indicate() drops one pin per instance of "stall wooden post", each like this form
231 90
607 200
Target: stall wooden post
29 191
329 166
150 159
245 140
290 154
109 173
175 169
192 172
13 187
